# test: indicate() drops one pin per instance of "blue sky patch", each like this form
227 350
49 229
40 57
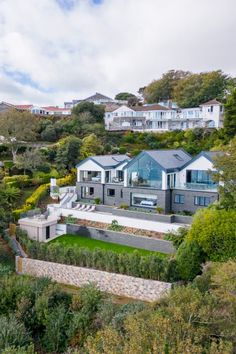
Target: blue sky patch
25 79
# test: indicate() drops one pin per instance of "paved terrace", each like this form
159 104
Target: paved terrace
108 217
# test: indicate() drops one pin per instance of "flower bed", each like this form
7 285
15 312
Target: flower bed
126 229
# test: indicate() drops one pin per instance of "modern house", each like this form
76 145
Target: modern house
169 179
157 117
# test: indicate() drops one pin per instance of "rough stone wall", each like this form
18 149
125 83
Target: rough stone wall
117 284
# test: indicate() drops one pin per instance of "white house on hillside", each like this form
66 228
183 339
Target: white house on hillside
156 117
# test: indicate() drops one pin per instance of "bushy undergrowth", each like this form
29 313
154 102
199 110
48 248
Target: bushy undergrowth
134 264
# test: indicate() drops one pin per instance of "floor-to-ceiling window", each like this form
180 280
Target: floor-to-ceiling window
145 172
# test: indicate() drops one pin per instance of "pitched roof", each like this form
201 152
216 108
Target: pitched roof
211 103
111 107
210 155
52 108
23 107
153 107
168 160
97 96
107 161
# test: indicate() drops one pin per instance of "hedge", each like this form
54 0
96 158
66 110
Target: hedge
133 264
38 194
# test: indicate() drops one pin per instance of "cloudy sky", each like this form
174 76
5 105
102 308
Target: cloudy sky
54 50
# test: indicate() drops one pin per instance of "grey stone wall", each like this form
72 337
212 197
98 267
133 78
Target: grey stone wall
121 238
189 199
117 284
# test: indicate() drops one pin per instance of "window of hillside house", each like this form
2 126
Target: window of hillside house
111 192
202 201
179 199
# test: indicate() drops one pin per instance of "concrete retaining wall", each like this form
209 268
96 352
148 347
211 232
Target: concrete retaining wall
117 284
181 219
122 238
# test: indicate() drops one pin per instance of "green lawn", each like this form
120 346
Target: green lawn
81 241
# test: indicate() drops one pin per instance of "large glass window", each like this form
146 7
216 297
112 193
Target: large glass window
199 176
145 172
143 200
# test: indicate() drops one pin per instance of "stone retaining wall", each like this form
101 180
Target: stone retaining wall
117 284
147 243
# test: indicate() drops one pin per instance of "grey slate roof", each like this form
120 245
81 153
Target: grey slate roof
97 96
170 159
107 161
212 154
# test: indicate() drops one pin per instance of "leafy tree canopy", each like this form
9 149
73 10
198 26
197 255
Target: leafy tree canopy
214 231
91 145
17 128
68 152
196 89
230 114
226 165
96 111
124 96
163 89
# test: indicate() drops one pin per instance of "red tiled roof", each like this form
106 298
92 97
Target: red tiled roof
211 103
52 108
23 106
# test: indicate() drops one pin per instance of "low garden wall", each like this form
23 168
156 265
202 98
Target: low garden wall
117 284
122 238
173 218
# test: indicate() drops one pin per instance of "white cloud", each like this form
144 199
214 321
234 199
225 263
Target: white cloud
118 45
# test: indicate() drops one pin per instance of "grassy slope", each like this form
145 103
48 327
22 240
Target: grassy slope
80 241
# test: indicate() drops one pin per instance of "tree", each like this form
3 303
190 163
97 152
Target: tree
91 145
17 128
195 89
68 152
124 96
230 114
49 133
226 165
189 259
163 89
96 111
30 160
214 231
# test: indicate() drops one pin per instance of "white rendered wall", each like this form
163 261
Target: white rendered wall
202 163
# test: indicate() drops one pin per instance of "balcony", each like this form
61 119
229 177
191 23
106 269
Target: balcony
198 186
90 176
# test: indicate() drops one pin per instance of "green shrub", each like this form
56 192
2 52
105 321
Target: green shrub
124 206
115 226
159 210
17 181
97 201
215 232
8 164
189 259
70 219
177 237
149 267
